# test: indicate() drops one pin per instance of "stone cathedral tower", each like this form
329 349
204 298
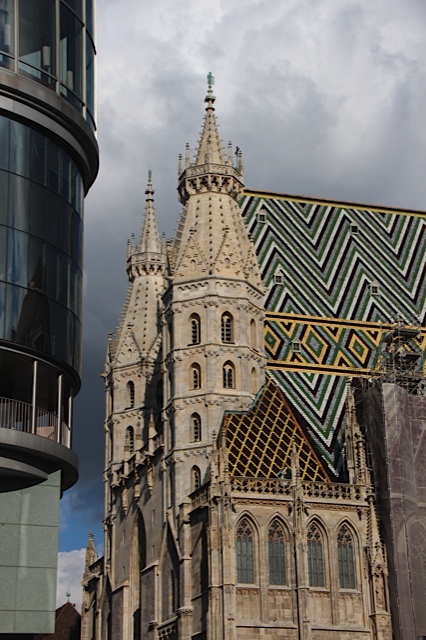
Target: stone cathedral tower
222 521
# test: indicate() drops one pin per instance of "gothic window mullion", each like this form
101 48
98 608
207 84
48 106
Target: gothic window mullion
245 561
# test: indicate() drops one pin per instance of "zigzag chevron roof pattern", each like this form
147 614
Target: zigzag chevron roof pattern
340 262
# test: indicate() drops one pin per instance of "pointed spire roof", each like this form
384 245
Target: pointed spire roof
90 552
212 239
150 238
210 147
149 257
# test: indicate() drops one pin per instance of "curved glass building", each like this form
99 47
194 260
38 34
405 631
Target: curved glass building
48 162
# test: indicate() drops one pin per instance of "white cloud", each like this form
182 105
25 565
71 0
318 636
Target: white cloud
70 576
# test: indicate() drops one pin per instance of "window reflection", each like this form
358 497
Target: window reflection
2 308
33 329
70 49
7 45
17 271
4 200
3 245
34 156
90 78
37 40
76 5
40 243
4 143
41 33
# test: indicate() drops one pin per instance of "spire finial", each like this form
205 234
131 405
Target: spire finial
210 99
149 190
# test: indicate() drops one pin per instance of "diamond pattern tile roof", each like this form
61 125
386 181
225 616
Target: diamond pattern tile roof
260 441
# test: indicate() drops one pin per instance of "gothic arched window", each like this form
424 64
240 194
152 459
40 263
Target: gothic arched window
228 374
196 376
315 557
345 552
245 564
276 553
195 478
130 439
227 327
195 427
195 328
130 394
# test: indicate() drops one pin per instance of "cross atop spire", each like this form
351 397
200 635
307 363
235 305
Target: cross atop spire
210 148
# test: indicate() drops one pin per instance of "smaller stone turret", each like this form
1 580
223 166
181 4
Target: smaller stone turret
149 257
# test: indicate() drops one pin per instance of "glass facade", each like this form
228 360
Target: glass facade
55 47
41 231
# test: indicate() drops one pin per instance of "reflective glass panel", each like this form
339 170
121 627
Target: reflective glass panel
4 200
17 258
39 212
90 77
70 49
4 143
7 35
37 160
14 299
89 17
19 148
76 5
3 252
2 308
53 168
37 43
19 189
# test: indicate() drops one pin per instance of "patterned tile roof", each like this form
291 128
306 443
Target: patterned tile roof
260 441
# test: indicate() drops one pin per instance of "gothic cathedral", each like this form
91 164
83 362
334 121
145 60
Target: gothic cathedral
229 513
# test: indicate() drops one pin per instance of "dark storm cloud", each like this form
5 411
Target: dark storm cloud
324 98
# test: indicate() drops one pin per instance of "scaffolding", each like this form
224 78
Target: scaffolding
401 359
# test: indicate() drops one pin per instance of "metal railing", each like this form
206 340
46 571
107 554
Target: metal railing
22 416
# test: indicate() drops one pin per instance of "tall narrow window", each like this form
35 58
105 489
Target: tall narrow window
195 427
276 553
315 557
253 334
227 328
130 395
196 376
195 329
345 552
195 478
228 374
130 440
245 571
159 393
254 381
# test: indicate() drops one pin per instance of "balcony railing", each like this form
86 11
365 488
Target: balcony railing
22 416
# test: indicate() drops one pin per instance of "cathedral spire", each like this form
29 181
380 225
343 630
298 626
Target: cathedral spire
212 237
148 257
210 148
150 239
